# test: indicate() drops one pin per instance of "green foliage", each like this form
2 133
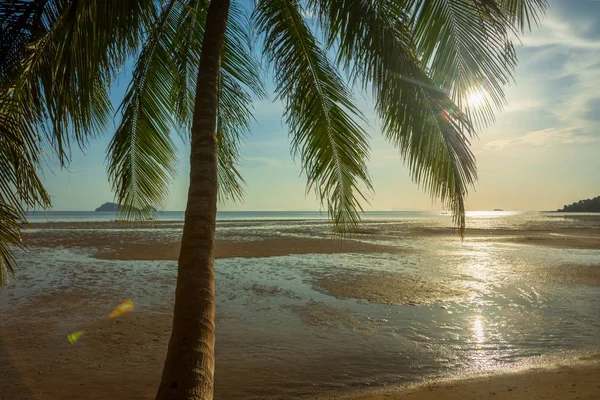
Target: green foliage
419 59
467 47
57 60
142 158
588 205
319 110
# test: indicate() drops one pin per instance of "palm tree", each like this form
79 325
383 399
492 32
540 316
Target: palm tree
420 58
195 72
57 58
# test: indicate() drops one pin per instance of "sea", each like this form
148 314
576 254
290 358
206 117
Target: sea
91 216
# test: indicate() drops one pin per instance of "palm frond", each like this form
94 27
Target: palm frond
57 60
319 111
430 131
20 184
524 13
10 236
23 22
187 44
142 156
233 121
467 46
65 73
239 60
240 83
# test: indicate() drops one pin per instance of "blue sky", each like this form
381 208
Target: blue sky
542 152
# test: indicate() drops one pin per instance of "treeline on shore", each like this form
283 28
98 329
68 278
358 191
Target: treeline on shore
588 205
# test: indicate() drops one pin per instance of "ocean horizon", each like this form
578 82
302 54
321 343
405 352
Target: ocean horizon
74 216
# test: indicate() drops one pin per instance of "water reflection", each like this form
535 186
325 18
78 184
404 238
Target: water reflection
478 329
510 310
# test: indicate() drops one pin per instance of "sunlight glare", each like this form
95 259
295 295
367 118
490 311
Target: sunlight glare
475 99
478 331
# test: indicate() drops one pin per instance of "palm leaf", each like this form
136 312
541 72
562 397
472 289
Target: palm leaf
233 121
467 47
524 13
142 156
187 45
431 133
10 235
58 57
240 84
64 75
19 182
23 22
319 111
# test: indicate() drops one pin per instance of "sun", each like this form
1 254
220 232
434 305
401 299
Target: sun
474 99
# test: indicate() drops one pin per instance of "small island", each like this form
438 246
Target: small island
588 205
114 207
108 207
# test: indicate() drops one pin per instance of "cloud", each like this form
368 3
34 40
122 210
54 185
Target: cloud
561 62
544 138
558 32
592 111
523 105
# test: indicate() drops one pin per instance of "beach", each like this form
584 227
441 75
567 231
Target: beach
576 380
402 309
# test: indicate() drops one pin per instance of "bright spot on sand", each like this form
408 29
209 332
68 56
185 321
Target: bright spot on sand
474 99
477 329
123 308
73 337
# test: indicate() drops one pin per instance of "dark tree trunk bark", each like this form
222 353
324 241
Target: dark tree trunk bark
188 372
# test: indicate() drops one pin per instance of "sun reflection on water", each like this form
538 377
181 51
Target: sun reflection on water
478 329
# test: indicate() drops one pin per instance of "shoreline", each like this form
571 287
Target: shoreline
125 241
574 379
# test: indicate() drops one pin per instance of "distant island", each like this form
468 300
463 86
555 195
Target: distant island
498 209
114 207
588 205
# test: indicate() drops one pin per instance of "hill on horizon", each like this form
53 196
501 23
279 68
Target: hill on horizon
588 205
114 207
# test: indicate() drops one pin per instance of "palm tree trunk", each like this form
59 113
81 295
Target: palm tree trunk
188 372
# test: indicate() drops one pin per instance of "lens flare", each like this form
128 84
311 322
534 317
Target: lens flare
123 308
73 337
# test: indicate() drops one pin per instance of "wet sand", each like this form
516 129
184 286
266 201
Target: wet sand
390 288
132 241
122 358
119 241
348 328
577 380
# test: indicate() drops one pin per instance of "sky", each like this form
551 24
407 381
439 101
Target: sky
543 150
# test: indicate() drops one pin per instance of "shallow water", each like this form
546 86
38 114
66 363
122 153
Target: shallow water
281 333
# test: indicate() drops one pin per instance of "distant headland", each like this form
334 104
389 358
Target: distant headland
588 205
114 207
